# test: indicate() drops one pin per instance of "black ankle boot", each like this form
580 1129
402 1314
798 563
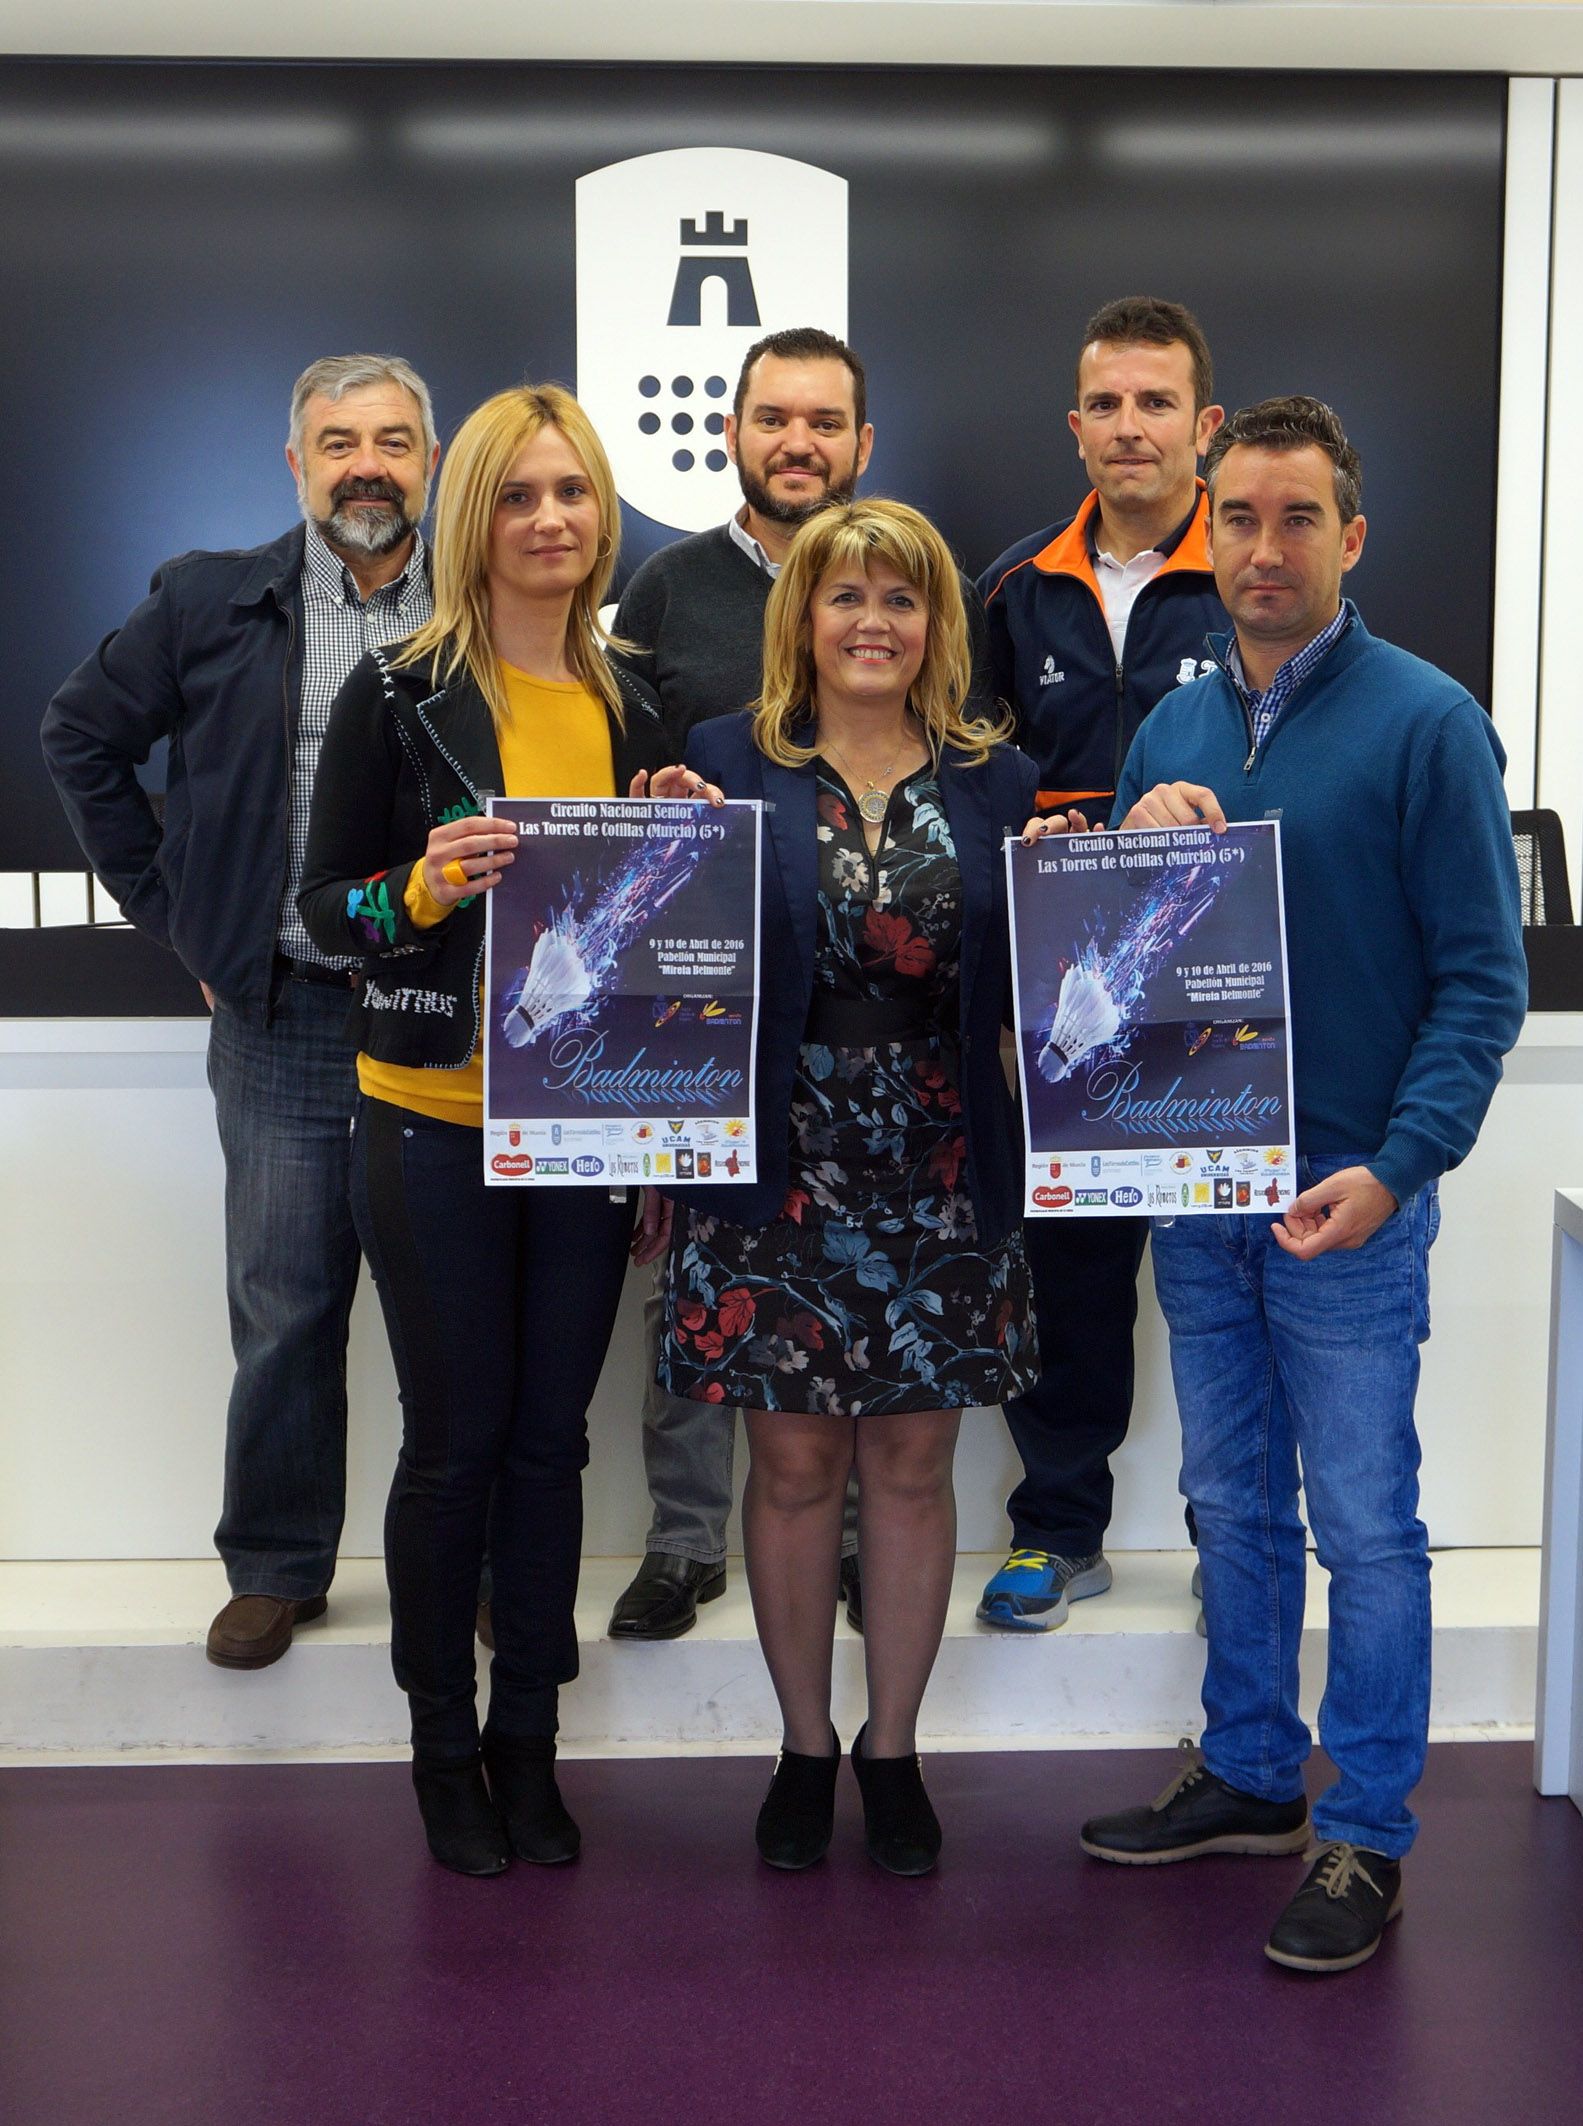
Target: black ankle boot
463 1825
795 1824
521 1772
903 1830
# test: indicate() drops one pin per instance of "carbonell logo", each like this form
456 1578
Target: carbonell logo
511 1164
586 1163
1053 1199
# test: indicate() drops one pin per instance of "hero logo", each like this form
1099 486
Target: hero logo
1125 1198
586 1164
684 259
1053 1199
511 1164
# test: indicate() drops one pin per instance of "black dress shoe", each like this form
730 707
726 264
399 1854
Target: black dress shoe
1336 1920
662 1601
522 1784
1197 1813
798 1817
903 1832
850 1590
463 1825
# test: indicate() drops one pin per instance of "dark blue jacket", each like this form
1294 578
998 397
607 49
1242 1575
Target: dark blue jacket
212 661
983 805
1404 945
1077 709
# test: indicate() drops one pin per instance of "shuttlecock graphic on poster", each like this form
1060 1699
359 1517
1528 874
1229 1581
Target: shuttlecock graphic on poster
554 983
1086 1018
575 956
1101 990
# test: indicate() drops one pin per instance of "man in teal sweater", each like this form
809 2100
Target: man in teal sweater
1298 1339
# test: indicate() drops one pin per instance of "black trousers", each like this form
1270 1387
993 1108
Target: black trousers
1066 1428
499 1304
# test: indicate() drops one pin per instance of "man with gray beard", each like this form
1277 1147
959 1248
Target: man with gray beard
233 659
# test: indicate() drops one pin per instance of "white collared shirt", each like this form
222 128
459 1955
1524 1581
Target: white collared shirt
1119 585
742 537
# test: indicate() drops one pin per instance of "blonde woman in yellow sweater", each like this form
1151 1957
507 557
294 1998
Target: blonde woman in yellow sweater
499 1303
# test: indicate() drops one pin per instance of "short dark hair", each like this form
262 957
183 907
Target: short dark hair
1150 321
804 343
1292 424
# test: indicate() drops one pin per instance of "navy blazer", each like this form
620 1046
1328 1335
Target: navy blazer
982 805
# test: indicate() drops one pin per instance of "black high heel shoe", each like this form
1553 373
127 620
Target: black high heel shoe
903 1832
462 1824
538 1824
798 1816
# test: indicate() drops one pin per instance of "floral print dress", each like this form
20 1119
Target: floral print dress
870 1291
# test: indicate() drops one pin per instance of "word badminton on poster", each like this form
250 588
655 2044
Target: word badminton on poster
621 994
1152 1022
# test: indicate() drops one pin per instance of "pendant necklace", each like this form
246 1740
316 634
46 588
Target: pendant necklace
875 800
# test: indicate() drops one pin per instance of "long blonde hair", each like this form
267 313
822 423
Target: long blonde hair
476 466
857 534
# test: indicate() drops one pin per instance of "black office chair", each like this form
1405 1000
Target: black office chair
1551 939
1542 868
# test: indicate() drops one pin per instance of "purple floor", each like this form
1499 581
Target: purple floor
271 1944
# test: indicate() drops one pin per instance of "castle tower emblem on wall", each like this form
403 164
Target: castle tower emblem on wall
684 259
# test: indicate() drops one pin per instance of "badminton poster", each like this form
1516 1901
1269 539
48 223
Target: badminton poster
621 995
1152 1022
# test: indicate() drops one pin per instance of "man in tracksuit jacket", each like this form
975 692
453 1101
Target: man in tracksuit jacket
1090 623
1296 1340
234 659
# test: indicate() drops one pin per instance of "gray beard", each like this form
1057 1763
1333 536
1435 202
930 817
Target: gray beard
358 531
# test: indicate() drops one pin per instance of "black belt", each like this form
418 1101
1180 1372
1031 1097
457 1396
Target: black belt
290 970
867 1022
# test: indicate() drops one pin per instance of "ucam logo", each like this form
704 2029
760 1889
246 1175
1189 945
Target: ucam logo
684 259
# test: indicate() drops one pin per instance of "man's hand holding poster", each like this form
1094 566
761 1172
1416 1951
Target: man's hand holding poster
1152 1022
621 995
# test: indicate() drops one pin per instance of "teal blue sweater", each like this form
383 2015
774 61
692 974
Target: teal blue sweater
1403 929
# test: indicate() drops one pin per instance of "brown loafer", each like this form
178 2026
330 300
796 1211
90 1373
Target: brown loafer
253 1630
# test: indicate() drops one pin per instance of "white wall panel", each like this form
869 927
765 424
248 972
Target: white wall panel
1561 643
1504 37
1520 491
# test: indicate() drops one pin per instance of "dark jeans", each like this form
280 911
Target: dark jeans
1066 1428
283 1097
499 1303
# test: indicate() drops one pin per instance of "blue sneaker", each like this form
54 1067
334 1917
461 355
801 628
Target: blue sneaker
1032 1589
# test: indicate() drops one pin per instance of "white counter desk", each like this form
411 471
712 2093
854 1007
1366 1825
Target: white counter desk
114 1361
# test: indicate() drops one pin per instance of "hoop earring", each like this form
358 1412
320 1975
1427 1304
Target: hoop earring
606 546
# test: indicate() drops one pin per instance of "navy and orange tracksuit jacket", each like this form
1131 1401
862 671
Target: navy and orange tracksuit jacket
1077 709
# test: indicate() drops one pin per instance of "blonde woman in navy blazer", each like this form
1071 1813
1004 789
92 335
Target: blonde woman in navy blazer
871 1283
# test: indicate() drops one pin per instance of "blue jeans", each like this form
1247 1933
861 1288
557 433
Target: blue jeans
283 1097
1278 1362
